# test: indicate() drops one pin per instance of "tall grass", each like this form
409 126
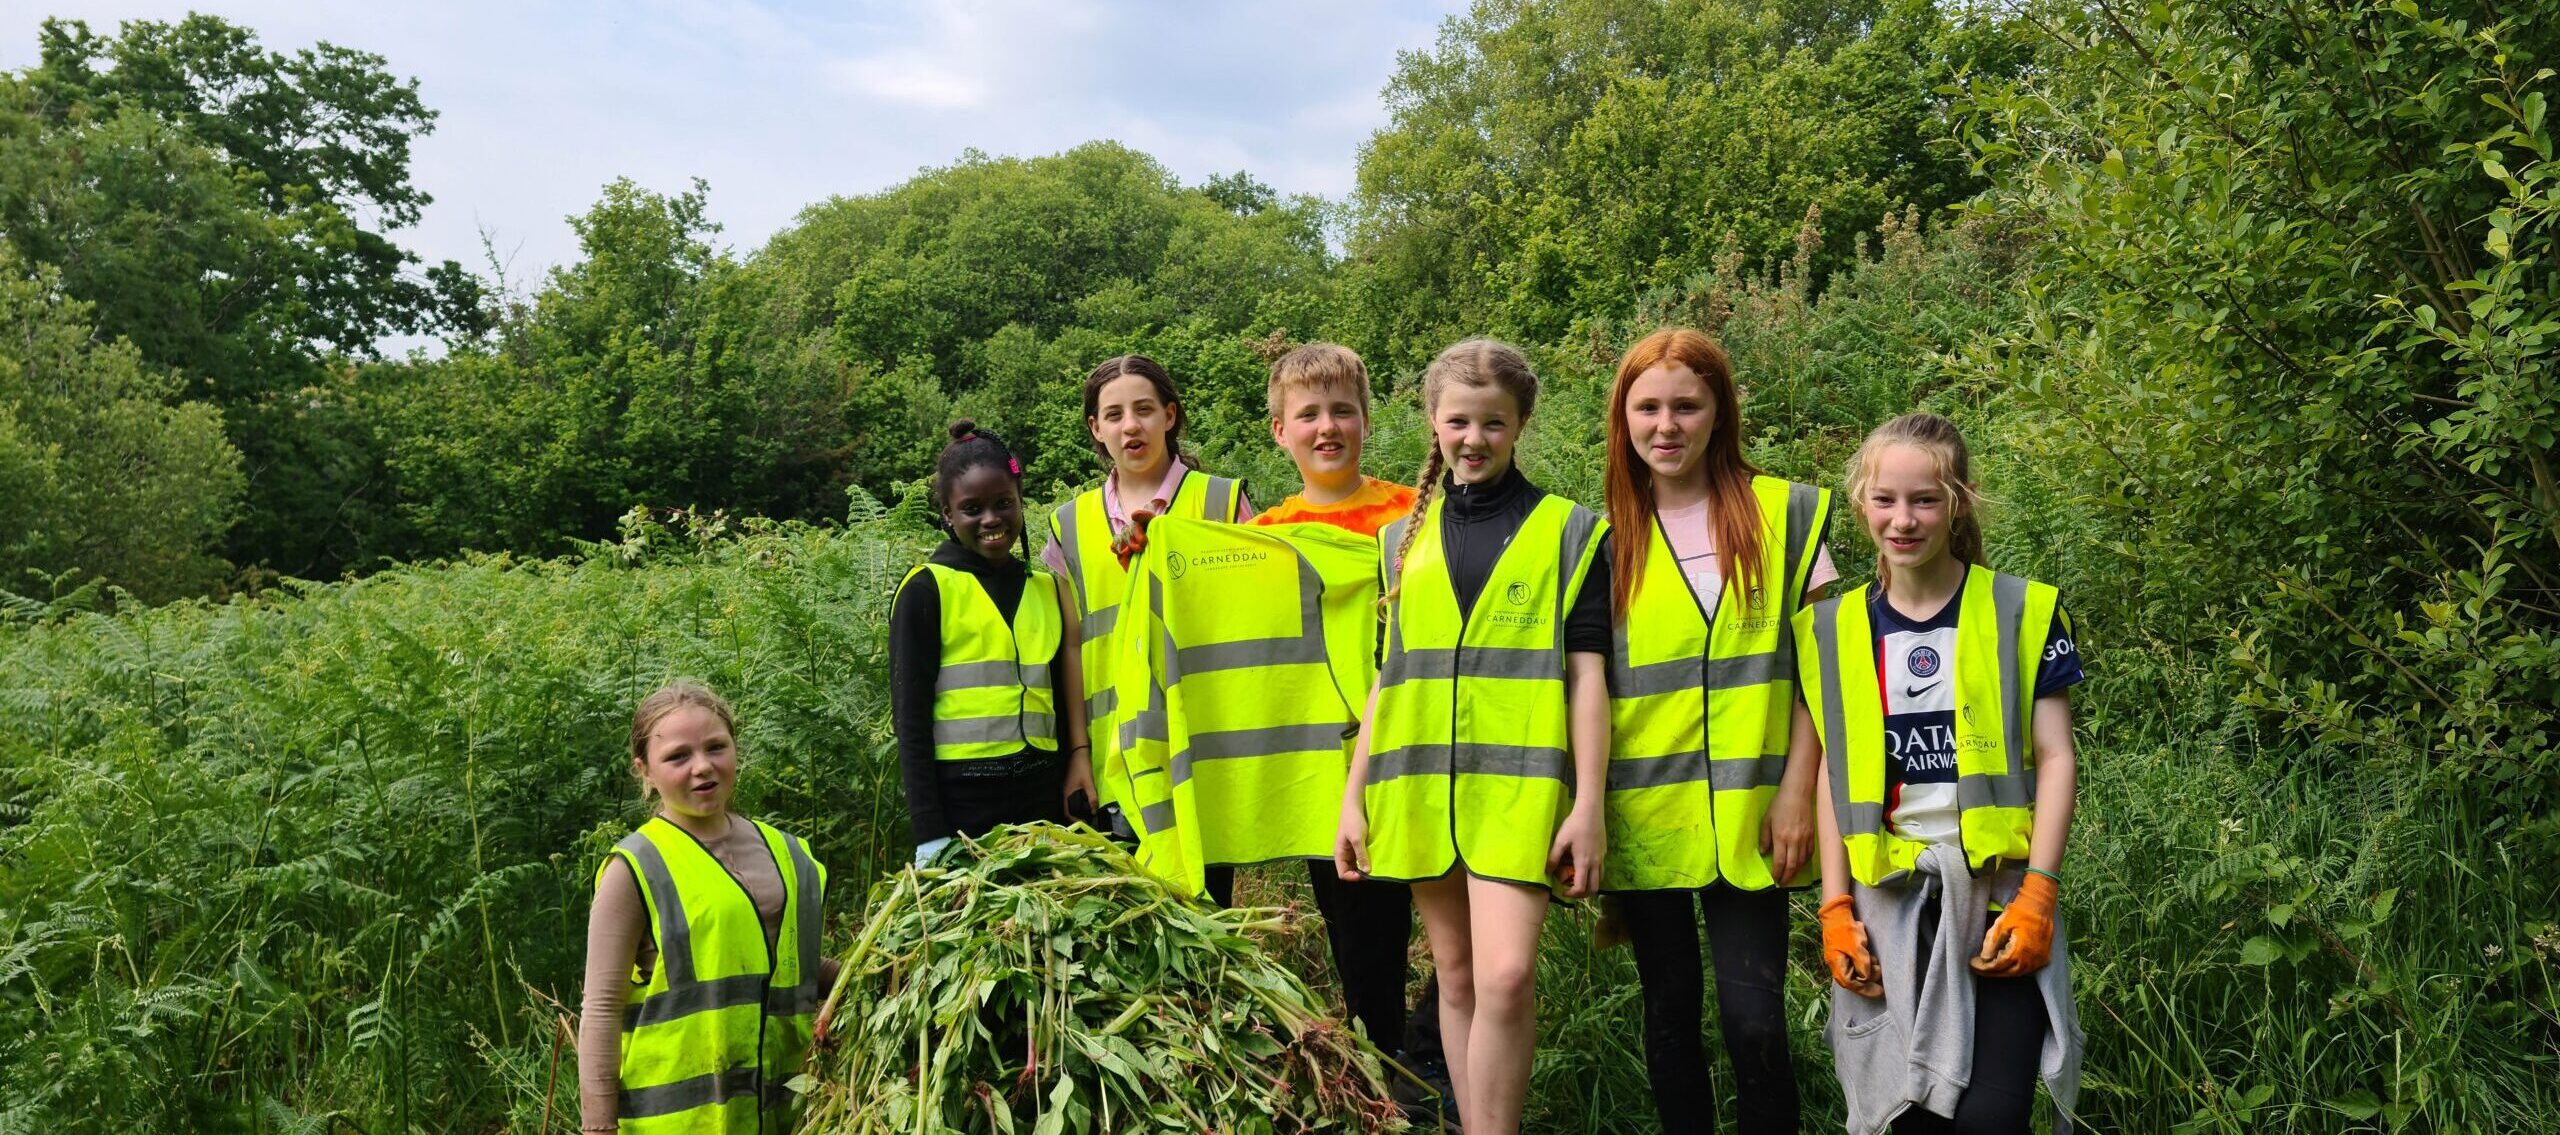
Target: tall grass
313 857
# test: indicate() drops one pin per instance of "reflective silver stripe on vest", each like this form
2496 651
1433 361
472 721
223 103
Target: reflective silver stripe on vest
976 675
681 1001
806 996
1692 766
708 1089
1676 674
1580 525
1862 819
675 930
796 1001
1096 624
984 730
1158 817
1983 790
1391 541
2009 603
1472 757
1802 502
1209 657
1231 744
1855 819
1148 724
1530 662
1219 489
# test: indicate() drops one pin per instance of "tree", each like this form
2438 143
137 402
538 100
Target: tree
995 283
627 380
227 210
2303 288
100 475
319 142
1550 160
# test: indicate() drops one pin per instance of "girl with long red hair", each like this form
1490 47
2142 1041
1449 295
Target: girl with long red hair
1712 762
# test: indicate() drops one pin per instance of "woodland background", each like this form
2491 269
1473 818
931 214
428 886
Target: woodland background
314 662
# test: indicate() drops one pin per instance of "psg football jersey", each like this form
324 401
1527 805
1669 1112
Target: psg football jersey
1915 662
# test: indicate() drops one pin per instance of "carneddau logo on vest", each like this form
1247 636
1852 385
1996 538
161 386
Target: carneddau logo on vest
1176 564
1517 594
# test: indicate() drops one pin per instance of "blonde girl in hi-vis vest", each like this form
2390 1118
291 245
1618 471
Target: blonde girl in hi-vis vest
1711 767
1478 776
1948 774
704 971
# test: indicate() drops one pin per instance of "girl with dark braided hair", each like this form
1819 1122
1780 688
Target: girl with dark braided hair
981 683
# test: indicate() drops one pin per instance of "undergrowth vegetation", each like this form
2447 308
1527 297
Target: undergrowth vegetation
309 858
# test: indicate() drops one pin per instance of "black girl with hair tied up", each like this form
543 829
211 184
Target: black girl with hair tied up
982 684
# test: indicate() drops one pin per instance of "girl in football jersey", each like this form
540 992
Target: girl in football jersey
1938 695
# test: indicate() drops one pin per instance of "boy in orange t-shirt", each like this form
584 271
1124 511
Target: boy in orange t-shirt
1320 414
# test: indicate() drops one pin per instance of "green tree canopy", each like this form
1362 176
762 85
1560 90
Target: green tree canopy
1550 160
101 475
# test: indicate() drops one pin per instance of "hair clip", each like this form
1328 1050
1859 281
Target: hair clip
1013 464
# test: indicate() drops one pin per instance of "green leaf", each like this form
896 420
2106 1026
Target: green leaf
2260 950
2358 1105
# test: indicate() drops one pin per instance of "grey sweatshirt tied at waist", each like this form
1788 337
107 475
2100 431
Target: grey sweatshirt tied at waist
1914 1046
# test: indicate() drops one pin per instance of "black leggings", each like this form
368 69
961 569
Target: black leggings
1369 925
2008 1046
1748 932
976 805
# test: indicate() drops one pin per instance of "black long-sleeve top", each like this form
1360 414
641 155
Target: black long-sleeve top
915 660
1478 521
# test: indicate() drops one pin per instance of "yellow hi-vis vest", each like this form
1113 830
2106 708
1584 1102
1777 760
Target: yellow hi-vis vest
716 1030
1081 529
1248 670
1700 709
993 696
2001 629
1470 755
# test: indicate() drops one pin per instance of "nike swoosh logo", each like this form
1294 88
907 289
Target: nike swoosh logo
1916 691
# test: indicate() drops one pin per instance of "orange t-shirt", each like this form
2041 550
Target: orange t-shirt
1372 506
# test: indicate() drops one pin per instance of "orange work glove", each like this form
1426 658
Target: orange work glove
1133 539
1844 949
2020 941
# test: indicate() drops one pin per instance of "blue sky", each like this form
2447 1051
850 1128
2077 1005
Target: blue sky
780 105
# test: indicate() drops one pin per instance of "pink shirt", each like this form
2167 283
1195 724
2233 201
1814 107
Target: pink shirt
1056 557
1692 537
